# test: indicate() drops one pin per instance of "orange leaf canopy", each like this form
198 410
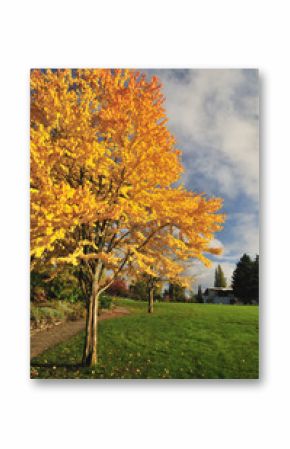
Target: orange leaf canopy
104 170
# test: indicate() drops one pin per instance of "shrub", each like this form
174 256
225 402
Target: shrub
118 288
38 291
139 290
106 302
78 311
65 289
35 314
53 311
176 293
48 314
39 294
52 315
64 286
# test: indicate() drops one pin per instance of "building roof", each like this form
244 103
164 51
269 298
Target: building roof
218 289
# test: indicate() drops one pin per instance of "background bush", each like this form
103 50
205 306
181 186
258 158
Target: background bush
64 286
118 288
55 310
106 302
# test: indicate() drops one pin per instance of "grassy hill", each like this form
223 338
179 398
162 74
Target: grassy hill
180 341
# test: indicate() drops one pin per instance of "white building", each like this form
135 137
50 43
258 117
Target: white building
219 295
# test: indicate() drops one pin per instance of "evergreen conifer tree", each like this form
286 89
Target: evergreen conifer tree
245 281
199 297
219 278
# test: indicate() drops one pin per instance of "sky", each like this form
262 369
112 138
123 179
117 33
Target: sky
214 116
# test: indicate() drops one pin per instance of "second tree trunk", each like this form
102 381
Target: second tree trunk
150 300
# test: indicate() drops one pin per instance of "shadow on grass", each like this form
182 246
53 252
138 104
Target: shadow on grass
70 366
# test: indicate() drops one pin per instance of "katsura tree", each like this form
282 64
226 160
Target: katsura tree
104 169
171 265
152 285
144 286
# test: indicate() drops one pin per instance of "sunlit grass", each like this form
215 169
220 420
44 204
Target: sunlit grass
179 341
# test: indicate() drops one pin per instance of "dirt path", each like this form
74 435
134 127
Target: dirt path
57 334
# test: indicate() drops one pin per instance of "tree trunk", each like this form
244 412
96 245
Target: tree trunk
90 357
150 300
94 357
89 332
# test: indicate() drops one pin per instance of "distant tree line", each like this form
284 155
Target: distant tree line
66 285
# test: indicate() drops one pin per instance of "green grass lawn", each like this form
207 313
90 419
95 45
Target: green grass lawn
179 341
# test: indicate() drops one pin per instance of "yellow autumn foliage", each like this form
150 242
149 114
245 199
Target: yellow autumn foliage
103 165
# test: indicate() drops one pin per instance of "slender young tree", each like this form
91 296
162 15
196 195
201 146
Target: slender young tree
199 297
220 280
104 169
223 281
216 279
151 285
145 286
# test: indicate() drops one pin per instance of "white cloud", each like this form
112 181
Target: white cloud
214 114
216 243
205 276
244 236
